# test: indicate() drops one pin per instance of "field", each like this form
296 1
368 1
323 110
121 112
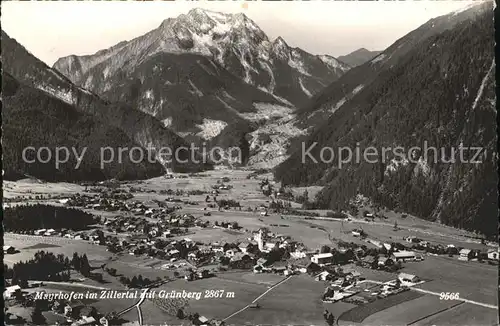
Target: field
472 314
295 300
28 245
451 275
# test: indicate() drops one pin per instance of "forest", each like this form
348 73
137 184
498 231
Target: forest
431 96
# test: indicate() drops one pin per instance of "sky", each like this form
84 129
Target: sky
53 29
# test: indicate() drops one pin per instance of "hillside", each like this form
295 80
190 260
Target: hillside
418 90
358 57
140 127
331 98
32 117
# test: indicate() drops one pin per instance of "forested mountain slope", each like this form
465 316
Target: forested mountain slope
440 92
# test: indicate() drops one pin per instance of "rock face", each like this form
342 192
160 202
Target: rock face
202 73
418 92
358 57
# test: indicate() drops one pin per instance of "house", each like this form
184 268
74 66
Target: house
230 253
202 320
11 291
493 254
387 246
239 256
384 261
312 268
50 232
9 250
356 233
85 321
322 259
68 310
408 279
298 254
403 255
40 231
270 245
324 276
203 274
465 254
263 262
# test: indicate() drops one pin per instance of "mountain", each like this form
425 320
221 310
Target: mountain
219 45
32 117
138 126
433 88
331 98
358 57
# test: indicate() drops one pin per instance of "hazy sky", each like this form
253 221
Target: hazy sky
53 29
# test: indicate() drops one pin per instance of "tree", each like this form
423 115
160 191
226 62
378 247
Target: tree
180 314
76 262
330 319
37 317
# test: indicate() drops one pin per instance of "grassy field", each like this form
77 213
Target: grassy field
244 293
464 314
296 301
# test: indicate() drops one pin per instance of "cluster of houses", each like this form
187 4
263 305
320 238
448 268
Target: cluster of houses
463 254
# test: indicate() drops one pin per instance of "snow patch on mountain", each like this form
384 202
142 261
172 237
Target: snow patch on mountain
195 90
272 82
296 63
308 93
211 128
334 63
266 111
148 94
167 122
357 89
338 105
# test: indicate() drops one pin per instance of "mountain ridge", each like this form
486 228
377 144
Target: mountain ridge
426 94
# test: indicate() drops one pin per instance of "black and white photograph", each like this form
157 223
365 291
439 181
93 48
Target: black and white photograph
241 163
